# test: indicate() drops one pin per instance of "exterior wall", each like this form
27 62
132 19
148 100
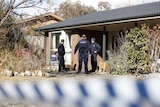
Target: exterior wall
112 31
51 46
47 50
76 38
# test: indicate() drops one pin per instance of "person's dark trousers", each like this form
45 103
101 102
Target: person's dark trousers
83 57
94 62
61 63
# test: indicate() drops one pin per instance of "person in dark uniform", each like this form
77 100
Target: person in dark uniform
94 49
61 53
83 46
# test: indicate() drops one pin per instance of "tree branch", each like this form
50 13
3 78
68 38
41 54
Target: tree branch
10 8
27 6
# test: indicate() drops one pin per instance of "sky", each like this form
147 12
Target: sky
114 3
94 3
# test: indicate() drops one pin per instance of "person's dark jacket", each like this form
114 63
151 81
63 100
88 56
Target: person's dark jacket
83 46
61 50
94 48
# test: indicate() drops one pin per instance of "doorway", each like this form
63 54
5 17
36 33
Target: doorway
54 42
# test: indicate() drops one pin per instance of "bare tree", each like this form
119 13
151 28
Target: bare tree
102 5
10 7
154 47
70 9
117 55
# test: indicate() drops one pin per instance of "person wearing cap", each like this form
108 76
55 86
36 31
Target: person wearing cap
94 49
61 53
83 47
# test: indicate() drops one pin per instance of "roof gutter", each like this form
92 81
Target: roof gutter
100 24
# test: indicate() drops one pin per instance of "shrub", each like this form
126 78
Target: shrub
137 48
21 62
132 52
117 56
117 63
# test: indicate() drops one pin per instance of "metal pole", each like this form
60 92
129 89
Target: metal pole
104 44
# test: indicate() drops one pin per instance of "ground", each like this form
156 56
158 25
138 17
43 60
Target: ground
61 76
56 77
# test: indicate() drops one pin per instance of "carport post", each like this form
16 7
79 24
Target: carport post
104 44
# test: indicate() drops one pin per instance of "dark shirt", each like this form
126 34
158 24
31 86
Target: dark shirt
83 46
94 47
61 50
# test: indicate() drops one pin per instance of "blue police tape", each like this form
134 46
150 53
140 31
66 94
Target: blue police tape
121 92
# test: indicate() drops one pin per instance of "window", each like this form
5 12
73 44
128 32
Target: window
70 39
55 37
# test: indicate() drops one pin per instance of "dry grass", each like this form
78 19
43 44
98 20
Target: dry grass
20 63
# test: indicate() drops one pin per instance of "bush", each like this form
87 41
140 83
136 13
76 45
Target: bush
22 61
117 63
132 52
117 56
137 48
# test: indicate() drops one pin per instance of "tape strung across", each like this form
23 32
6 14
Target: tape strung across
120 92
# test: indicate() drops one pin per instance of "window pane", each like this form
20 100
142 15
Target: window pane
51 44
70 39
57 39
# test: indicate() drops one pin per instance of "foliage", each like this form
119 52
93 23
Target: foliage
15 37
10 33
7 30
117 62
137 48
70 10
19 61
117 56
13 55
133 52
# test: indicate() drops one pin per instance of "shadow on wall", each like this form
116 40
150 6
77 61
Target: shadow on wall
99 39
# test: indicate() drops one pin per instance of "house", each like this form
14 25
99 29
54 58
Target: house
37 39
103 25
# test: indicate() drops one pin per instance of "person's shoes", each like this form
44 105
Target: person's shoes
65 70
60 71
87 73
90 71
78 72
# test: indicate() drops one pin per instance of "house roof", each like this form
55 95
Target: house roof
127 13
42 15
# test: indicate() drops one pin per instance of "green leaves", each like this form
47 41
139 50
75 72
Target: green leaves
133 55
137 47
